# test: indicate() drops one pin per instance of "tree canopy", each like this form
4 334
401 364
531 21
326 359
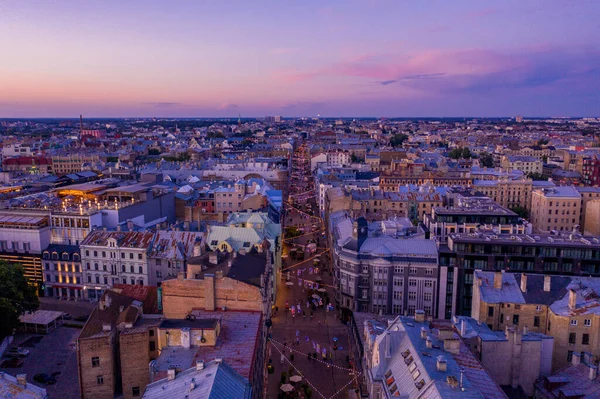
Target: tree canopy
398 139
486 160
460 152
17 296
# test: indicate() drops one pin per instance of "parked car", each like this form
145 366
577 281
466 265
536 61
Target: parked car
16 352
44 378
67 316
13 363
81 318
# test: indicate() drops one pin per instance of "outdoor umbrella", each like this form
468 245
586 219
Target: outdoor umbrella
321 290
286 388
289 283
316 296
295 378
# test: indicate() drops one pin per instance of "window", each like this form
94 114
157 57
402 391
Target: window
573 322
95 266
139 256
158 274
95 253
585 339
100 380
413 270
131 269
151 333
103 254
87 253
490 311
122 255
135 391
501 317
132 281
572 338
428 284
247 244
412 282
536 321
412 296
515 319
141 270
429 271
587 322
95 361
157 262
131 256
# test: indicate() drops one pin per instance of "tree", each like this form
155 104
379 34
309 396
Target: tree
521 211
355 159
17 296
398 139
153 151
541 142
536 176
486 160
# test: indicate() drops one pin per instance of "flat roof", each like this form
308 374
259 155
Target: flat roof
42 317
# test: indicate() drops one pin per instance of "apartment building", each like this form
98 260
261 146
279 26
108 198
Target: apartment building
563 307
533 254
415 358
468 214
390 181
170 252
23 237
557 208
508 193
524 163
589 220
72 163
382 273
62 272
114 257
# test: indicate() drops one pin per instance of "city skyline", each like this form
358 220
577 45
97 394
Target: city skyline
372 58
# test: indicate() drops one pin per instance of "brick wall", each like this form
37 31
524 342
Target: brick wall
104 348
135 358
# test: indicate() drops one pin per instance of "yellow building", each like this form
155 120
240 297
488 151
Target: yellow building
556 208
564 307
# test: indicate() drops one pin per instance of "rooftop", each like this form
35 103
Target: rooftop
11 389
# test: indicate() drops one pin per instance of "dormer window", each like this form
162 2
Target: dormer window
46 255
65 256
54 255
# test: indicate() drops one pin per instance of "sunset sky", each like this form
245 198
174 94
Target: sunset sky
299 58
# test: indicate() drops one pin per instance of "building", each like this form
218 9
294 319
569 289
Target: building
18 387
391 181
468 214
30 165
72 163
23 237
589 221
114 257
556 208
515 358
169 253
214 379
524 163
62 272
508 193
578 380
415 358
566 308
382 273
591 171
484 250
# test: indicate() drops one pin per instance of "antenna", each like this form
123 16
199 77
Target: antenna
80 127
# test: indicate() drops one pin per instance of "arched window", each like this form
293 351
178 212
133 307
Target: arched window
141 269
65 256
131 269
54 255
95 266
88 266
76 257
95 253
123 269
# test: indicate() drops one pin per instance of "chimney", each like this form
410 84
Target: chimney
106 327
197 248
463 328
22 379
452 345
185 337
572 299
209 292
547 280
593 372
576 359
523 282
218 360
497 280
388 345
423 333
420 316
429 343
199 365
441 364
171 374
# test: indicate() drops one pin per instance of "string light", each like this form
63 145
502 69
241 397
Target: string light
308 355
354 373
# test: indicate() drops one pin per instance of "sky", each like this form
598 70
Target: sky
377 58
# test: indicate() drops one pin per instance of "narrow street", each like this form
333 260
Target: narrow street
307 337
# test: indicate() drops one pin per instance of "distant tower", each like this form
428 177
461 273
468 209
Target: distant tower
240 121
80 127
519 119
